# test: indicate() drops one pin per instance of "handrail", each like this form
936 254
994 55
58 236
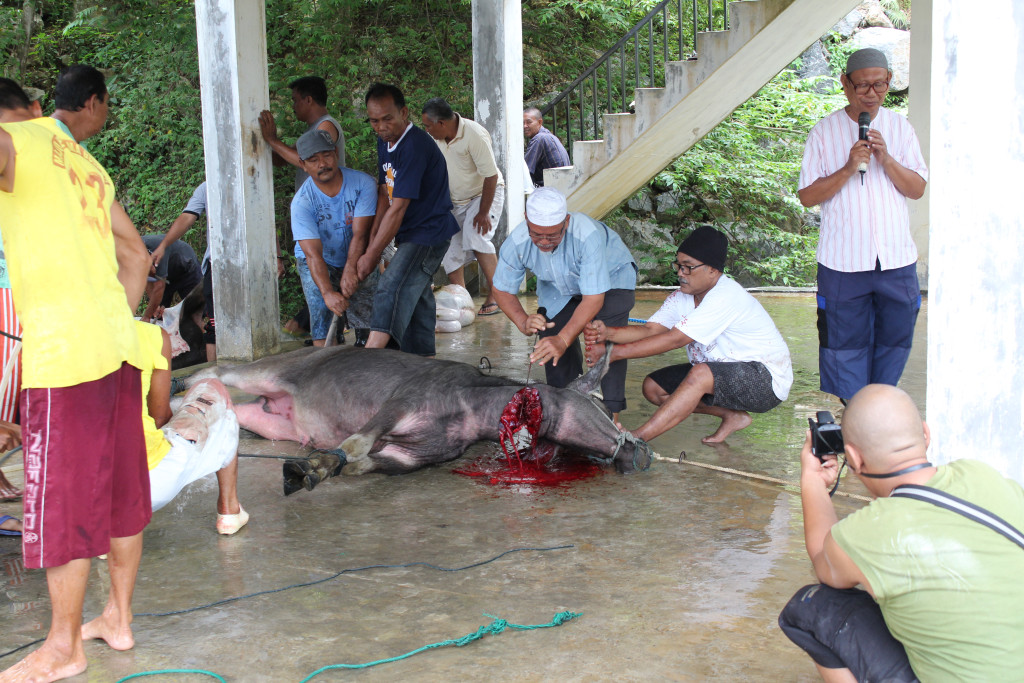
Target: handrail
583 119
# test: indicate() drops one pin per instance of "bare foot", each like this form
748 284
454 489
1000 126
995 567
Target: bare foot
107 627
733 422
7 489
44 665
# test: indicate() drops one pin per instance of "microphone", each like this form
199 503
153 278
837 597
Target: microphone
864 121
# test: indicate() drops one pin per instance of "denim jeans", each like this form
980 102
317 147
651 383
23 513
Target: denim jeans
319 315
404 305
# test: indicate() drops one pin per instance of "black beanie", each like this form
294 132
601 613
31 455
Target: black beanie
707 245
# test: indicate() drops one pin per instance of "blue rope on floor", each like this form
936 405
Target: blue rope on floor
495 627
172 671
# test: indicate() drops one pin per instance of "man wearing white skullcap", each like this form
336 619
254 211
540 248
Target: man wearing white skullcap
584 272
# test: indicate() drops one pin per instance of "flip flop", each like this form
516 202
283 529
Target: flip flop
489 309
8 532
229 524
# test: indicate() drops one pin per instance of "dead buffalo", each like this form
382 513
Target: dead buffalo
395 412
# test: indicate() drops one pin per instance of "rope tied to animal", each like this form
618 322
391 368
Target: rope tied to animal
643 454
496 627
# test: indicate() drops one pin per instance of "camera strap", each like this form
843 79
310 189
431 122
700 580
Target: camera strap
960 506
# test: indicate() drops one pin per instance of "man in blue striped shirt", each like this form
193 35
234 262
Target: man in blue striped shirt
545 149
584 272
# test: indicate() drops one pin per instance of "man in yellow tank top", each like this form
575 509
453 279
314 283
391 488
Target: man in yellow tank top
86 483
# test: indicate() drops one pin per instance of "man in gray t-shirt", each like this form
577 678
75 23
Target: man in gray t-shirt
309 102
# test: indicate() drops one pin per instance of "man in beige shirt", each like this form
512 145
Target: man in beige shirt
477 189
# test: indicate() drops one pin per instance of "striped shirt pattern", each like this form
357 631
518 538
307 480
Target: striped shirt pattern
10 357
862 223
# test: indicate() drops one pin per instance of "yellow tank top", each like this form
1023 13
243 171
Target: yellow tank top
60 256
152 345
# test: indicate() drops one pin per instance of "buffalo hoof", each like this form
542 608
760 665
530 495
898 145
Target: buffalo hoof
308 472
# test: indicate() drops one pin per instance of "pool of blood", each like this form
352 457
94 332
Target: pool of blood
535 465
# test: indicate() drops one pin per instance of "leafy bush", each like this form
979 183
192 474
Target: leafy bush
742 178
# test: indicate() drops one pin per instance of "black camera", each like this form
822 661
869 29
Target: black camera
826 435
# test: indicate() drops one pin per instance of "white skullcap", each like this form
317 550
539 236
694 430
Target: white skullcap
546 207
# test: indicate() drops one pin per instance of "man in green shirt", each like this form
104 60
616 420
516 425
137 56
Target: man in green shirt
942 598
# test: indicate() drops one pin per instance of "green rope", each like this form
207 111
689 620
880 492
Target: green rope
495 627
172 671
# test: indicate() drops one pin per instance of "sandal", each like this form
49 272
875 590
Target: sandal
489 309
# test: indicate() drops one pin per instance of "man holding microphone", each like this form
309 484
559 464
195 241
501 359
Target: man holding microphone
868 294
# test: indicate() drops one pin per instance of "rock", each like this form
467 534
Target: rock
643 234
874 15
641 201
666 201
896 46
814 64
848 24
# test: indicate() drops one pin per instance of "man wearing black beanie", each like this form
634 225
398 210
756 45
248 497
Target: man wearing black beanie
739 362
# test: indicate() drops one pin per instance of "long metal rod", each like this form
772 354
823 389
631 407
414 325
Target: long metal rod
650 54
622 69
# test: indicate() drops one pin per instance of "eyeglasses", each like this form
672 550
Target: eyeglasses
536 237
878 86
684 269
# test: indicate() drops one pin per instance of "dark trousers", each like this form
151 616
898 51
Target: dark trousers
614 313
865 326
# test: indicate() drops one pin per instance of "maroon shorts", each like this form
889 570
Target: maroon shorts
86 478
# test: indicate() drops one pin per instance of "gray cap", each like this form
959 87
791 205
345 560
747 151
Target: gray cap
867 58
312 142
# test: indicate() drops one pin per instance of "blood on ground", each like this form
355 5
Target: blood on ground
526 460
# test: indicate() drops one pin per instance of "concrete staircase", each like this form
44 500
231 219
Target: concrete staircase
764 36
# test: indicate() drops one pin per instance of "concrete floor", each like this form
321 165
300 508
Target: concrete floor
679 572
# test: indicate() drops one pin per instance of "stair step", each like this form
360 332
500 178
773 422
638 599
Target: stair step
648 106
618 132
560 178
587 157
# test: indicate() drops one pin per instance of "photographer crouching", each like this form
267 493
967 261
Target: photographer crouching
942 574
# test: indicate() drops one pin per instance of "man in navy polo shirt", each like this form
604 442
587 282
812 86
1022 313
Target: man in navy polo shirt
414 209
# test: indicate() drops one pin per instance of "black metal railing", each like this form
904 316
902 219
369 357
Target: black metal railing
667 33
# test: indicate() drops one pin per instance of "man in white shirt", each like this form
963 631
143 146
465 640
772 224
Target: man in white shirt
477 190
739 362
868 294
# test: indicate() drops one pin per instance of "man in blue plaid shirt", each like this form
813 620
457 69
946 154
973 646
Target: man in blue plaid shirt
545 149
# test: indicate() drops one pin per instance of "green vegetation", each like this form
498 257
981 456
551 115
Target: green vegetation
741 177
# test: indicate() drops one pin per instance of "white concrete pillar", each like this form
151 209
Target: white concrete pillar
919 113
240 212
498 95
976 303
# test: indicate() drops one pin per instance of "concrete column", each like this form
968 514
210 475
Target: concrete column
976 303
240 212
498 95
919 113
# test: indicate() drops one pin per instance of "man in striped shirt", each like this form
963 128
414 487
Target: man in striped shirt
868 294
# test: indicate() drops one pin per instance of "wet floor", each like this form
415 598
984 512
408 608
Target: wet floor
679 572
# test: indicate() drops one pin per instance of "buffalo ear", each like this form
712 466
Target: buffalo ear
590 383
